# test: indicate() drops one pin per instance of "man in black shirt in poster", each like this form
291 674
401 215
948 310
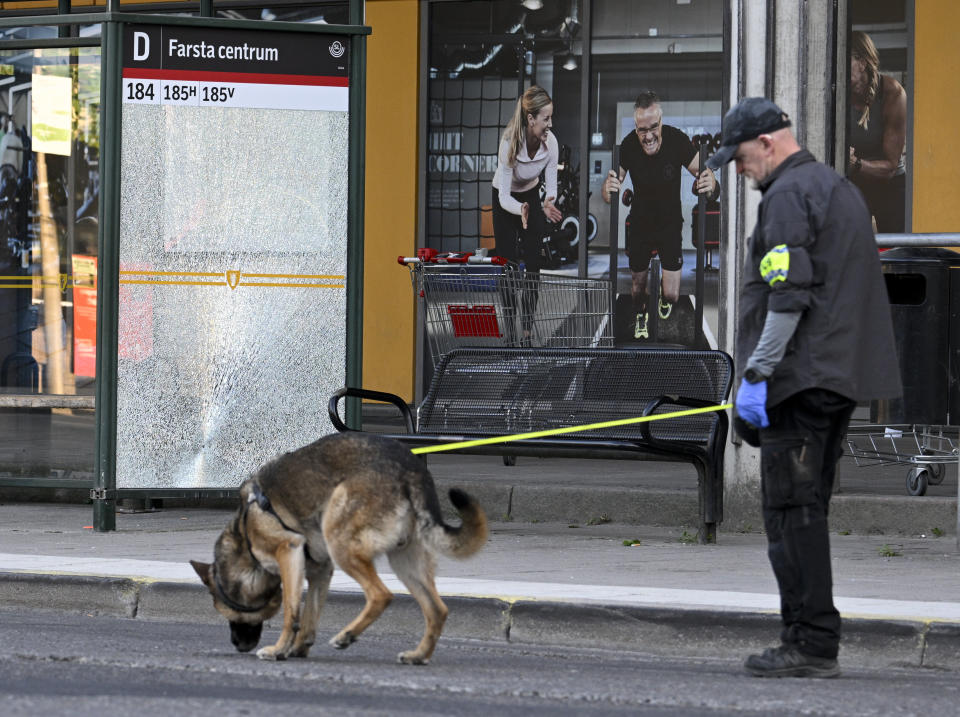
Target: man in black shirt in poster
654 155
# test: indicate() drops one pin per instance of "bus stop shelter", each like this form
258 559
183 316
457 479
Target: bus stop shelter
216 259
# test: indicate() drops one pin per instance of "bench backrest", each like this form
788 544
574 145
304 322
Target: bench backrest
504 391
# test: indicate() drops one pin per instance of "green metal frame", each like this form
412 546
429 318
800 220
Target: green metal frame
104 492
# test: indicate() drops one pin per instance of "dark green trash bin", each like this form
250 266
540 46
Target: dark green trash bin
924 289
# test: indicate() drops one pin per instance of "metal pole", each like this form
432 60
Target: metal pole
108 275
614 271
701 251
654 289
63 8
206 8
355 184
421 374
583 211
918 240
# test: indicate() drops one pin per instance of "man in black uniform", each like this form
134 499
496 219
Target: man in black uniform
814 338
654 155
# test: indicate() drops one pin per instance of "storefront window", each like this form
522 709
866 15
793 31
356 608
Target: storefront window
877 117
668 57
483 55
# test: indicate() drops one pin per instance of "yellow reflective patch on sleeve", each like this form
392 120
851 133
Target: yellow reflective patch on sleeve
775 264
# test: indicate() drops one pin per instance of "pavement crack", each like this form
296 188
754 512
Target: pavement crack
924 631
47 658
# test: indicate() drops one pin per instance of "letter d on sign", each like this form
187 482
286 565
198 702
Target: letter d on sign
141 46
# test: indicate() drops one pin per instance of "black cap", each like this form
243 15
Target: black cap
748 119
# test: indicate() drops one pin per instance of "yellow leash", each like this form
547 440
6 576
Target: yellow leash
568 429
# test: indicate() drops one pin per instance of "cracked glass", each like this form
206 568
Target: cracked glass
232 289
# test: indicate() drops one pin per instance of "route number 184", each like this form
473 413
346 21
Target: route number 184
139 91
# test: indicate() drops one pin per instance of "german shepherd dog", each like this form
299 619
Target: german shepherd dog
344 499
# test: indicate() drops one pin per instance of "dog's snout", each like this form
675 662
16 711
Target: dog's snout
244 636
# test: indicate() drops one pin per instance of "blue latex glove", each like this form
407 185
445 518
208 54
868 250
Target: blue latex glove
751 404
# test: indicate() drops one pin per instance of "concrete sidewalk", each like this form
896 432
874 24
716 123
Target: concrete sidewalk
555 582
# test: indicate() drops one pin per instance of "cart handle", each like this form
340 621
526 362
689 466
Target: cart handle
450 258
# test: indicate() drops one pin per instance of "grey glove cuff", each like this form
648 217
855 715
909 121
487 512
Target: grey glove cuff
778 329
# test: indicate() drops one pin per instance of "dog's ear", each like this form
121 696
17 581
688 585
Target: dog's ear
203 570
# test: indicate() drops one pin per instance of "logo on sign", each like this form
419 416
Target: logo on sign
337 49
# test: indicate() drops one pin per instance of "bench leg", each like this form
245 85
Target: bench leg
709 495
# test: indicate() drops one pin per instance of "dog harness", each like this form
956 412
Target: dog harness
260 498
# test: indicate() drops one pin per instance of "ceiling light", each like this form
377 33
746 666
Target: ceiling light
570 63
532 4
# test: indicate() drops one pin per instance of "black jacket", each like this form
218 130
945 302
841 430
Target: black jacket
814 228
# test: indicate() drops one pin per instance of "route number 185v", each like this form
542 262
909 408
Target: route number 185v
217 94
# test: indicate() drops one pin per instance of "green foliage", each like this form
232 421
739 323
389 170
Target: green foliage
888 551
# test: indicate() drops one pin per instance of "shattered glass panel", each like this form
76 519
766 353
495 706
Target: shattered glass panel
232 289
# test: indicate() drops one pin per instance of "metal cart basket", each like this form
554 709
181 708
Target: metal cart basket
926 449
475 301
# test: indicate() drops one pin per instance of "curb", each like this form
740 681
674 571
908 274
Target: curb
114 597
530 503
868 643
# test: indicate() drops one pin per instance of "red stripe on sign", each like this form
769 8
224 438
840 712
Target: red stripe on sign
259 78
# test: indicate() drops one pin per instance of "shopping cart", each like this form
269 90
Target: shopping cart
476 301
926 449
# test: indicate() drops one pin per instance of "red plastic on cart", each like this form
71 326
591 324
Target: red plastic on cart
474 320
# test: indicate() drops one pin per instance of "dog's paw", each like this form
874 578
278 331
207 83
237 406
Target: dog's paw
343 640
301 650
271 653
412 658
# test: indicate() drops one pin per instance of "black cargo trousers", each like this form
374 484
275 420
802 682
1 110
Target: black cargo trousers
798 455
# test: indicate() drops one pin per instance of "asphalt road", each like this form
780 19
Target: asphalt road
57 664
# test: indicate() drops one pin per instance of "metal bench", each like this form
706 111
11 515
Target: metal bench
484 392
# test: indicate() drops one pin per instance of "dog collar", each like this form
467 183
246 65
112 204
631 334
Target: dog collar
230 602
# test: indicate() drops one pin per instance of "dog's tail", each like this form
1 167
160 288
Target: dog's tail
467 538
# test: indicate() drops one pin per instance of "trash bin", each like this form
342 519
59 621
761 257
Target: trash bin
924 289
